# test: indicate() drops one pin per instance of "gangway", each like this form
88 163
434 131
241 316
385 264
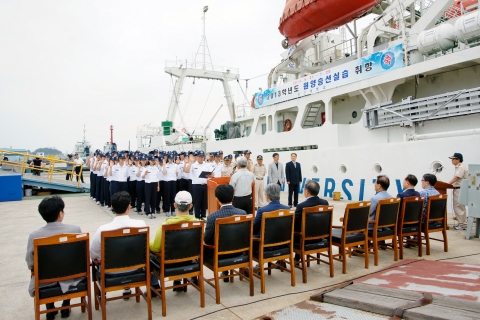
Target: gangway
52 173
410 110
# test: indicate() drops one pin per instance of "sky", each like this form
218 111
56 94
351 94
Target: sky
66 64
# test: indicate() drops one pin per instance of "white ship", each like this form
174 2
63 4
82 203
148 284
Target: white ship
399 97
83 147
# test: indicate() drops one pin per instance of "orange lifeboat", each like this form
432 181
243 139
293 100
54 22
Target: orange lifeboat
303 18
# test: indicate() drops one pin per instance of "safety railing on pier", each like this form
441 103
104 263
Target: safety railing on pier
51 167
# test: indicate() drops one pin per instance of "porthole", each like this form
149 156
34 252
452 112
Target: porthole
343 168
354 114
314 169
437 166
378 168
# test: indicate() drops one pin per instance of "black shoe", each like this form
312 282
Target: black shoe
65 313
194 280
126 293
51 315
176 283
297 257
153 294
225 273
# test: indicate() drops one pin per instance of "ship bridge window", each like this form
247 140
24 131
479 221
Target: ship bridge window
314 115
285 119
246 127
346 109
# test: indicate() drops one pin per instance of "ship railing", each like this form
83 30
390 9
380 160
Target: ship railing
334 53
243 111
51 166
196 65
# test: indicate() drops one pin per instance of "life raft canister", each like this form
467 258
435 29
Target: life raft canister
287 125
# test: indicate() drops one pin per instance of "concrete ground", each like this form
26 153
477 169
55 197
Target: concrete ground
21 217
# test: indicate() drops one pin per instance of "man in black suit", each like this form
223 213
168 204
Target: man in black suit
408 191
409 187
311 190
293 172
224 195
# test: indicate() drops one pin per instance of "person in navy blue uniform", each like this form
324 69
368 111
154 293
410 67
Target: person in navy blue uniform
272 195
311 191
293 173
409 187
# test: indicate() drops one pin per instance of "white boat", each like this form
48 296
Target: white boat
400 97
83 147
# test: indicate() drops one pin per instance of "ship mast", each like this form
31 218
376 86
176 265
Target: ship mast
111 135
202 67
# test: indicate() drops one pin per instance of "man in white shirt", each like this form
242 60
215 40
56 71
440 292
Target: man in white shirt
79 163
199 185
241 182
121 208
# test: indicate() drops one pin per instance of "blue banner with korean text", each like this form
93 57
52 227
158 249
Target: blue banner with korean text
353 71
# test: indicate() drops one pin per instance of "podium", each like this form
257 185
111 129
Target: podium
442 187
212 184
212 202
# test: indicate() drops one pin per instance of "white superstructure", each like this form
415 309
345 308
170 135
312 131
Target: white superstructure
404 120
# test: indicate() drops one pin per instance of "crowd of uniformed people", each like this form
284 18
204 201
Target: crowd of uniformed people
155 178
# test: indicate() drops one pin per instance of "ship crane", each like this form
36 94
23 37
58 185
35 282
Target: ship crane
202 68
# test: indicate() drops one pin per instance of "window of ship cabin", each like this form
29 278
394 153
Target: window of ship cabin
286 114
261 125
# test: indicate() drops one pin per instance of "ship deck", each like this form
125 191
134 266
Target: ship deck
21 217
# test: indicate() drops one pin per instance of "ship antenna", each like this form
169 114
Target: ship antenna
203 49
84 130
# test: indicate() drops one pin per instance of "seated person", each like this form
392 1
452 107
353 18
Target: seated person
183 203
121 207
272 195
409 187
428 181
381 186
224 194
311 191
52 211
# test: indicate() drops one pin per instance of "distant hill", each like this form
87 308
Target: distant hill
48 151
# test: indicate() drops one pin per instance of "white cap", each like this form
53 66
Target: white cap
183 196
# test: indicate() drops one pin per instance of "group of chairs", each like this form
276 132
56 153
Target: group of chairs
126 259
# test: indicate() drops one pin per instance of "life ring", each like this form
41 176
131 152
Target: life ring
184 130
287 125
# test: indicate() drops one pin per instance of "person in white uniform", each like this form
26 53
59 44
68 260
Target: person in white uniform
199 185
